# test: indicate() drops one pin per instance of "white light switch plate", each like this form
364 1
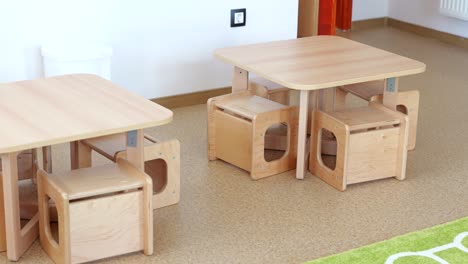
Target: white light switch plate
238 17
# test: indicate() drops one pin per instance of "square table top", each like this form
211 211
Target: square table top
66 108
318 62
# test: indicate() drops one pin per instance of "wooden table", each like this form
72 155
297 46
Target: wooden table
64 109
314 63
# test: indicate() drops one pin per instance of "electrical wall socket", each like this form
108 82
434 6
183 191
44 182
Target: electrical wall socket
238 17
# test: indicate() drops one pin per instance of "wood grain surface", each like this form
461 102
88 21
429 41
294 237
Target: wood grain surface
71 107
318 62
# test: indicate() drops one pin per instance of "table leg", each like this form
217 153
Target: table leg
3 245
135 155
390 100
390 94
80 155
18 239
135 148
326 102
240 81
302 134
47 158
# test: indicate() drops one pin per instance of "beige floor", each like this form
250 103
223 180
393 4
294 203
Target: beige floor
224 217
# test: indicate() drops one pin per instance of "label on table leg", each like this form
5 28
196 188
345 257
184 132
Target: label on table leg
132 138
390 87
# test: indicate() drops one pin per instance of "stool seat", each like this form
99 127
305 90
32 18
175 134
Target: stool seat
366 90
249 106
365 117
99 180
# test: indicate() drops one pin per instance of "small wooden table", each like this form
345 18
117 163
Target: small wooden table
314 63
64 109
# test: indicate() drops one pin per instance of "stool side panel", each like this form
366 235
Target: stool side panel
373 155
337 178
233 140
169 151
107 226
410 100
260 167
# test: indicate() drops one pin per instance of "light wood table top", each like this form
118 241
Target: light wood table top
71 107
319 62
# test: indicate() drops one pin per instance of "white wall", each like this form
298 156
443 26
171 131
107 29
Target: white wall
367 9
425 13
161 47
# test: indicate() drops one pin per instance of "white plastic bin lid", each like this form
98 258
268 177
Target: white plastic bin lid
75 52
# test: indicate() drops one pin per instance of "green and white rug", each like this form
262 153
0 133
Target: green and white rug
443 244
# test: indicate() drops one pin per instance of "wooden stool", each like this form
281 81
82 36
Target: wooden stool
102 212
371 144
405 102
237 125
162 163
269 90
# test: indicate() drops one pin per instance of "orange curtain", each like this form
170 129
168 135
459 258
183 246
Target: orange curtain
344 11
327 17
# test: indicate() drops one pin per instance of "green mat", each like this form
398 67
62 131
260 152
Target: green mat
447 243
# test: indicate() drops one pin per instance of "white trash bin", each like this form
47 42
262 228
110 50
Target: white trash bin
68 59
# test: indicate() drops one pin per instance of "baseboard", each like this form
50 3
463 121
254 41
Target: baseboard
417 29
428 32
369 23
189 99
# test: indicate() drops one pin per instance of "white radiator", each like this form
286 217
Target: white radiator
454 8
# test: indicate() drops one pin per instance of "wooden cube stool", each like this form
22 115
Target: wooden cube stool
406 102
162 163
371 144
102 212
237 125
269 90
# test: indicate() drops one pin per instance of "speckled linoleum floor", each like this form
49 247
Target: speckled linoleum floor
224 217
